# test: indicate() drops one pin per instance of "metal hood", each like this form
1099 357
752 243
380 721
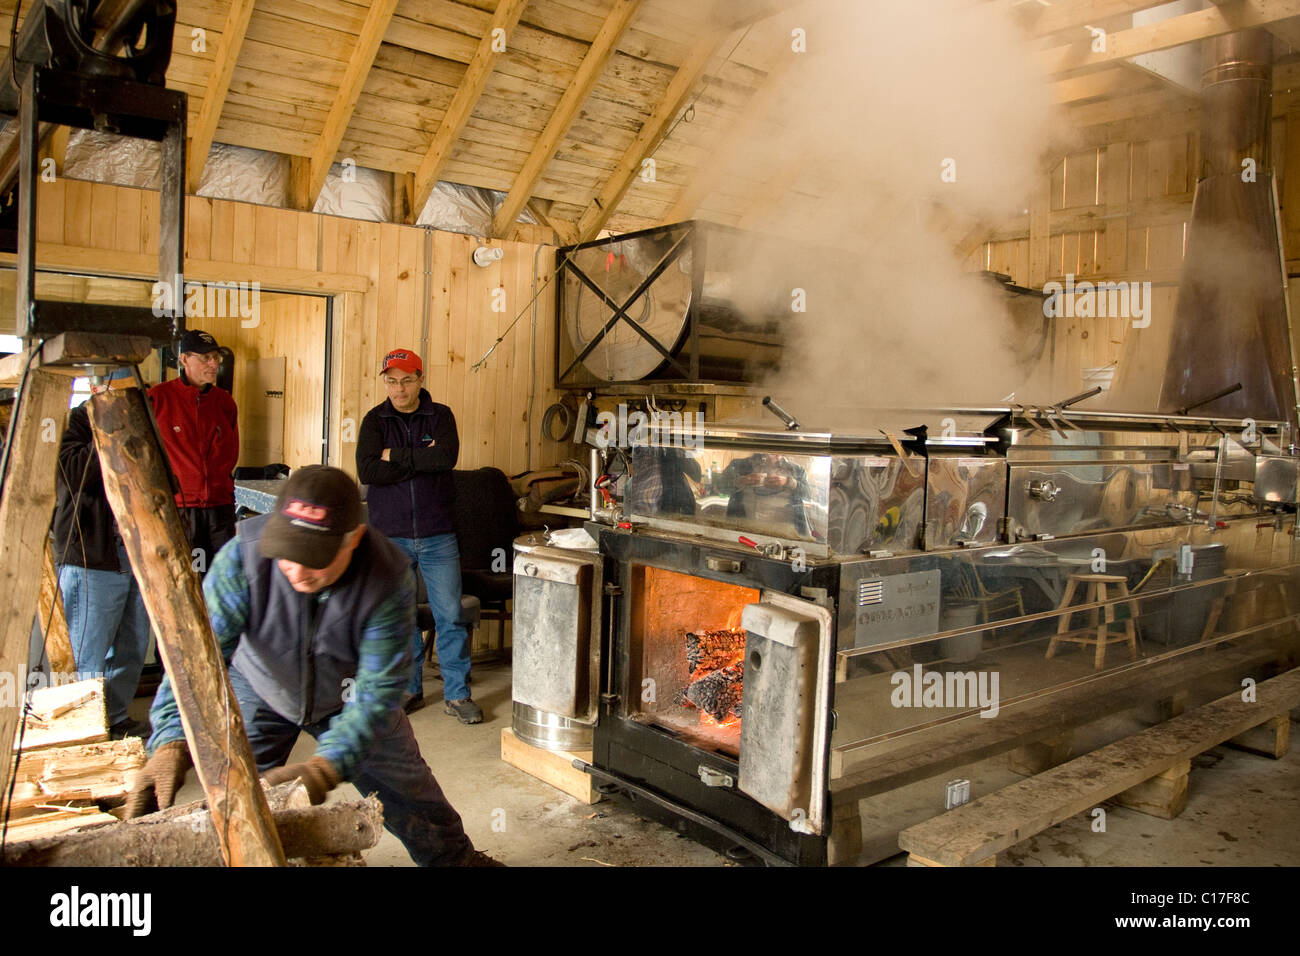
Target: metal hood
1231 323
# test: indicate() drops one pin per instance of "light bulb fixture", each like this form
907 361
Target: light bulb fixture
486 255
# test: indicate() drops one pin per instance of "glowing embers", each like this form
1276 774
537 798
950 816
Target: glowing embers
716 663
687 639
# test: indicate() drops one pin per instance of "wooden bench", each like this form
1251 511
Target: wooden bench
1151 765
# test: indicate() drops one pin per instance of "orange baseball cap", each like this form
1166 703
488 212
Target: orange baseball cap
403 359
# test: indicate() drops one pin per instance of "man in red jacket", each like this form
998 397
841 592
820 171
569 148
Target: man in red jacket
200 432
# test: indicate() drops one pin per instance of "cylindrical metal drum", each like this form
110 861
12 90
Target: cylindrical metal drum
549 731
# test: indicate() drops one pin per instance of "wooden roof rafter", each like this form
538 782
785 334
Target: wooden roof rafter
204 130
731 142
584 81
345 103
651 134
1165 34
1043 20
489 50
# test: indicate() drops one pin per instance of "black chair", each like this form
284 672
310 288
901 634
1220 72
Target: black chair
487 523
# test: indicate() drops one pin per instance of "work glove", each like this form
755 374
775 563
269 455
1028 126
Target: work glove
159 779
317 775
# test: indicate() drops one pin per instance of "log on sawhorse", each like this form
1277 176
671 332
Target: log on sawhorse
185 836
137 483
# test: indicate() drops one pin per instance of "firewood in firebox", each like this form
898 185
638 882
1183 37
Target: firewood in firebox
710 650
719 692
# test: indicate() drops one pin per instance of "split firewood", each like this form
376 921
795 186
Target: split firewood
87 773
710 650
331 830
719 692
81 715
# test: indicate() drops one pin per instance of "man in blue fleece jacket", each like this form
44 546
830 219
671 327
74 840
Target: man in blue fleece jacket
313 612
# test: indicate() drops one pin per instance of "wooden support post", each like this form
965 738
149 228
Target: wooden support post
300 183
1164 795
53 621
1041 755
1271 739
845 844
1164 708
137 486
25 509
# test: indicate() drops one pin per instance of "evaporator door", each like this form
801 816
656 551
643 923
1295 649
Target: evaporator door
556 618
784 730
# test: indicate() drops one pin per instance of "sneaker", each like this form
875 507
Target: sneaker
477 858
414 703
465 710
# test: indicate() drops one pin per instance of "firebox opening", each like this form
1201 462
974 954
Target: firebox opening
688 656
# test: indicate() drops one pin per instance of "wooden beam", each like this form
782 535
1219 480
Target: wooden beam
138 490
1151 126
494 42
300 196
566 233
1164 34
580 87
649 137
345 101
53 621
1288 31
214 95
140 265
55 147
741 133
25 508
1126 107
1046 20
1116 79
403 196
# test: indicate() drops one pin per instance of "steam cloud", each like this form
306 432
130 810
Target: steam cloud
865 121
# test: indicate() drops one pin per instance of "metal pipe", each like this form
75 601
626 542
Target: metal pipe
780 413
1077 398
1209 398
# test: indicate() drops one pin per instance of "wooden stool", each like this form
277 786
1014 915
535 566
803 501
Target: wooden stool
1230 590
1098 632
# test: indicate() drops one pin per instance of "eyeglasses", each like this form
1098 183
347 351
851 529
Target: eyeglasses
210 358
403 383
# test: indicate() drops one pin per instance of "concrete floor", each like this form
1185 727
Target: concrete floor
1242 809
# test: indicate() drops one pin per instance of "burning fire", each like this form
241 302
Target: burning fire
716 662
731 721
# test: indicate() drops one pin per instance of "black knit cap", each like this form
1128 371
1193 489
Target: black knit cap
313 514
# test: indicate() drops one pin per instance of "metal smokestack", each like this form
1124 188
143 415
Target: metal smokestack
1230 322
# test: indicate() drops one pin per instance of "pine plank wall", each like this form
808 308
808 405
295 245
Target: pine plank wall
375 276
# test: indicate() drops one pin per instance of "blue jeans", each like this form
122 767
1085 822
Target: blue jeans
438 559
415 809
108 628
